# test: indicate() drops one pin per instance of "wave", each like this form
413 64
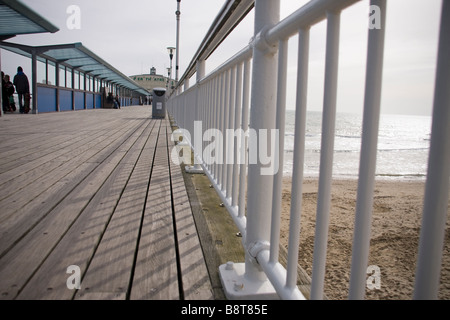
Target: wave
403 149
349 175
401 175
291 150
308 135
348 136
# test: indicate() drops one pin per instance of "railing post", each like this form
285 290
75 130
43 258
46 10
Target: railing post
34 82
244 155
57 87
262 116
259 195
369 143
280 124
196 168
237 126
434 215
229 158
326 154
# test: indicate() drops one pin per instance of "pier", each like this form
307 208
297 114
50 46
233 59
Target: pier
92 205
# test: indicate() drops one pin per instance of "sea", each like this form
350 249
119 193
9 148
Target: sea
403 146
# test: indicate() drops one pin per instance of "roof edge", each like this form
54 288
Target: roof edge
30 14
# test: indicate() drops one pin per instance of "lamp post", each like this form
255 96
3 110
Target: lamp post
177 13
168 78
170 50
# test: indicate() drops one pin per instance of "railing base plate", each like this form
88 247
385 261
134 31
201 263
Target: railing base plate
194 169
237 287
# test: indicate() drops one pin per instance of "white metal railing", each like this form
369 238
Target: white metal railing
224 100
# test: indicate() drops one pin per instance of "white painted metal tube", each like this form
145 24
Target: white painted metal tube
220 127
279 150
209 112
226 117
240 221
299 155
212 114
437 185
183 110
305 17
244 161
230 138
369 141
237 144
198 114
244 55
218 173
217 102
326 155
259 203
276 273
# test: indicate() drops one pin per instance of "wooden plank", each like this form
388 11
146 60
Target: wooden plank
106 217
13 230
48 131
14 135
34 144
80 243
18 265
59 149
80 154
26 216
111 267
24 137
19 131
18 148
102 296
155 275
194 273
66 153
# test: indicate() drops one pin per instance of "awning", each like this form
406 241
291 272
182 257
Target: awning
77 57
16 18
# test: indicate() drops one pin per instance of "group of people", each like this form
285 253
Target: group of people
113 100
20 85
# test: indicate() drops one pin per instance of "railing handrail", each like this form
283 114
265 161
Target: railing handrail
231 14
245 54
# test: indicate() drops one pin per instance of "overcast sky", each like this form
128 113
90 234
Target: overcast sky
133 35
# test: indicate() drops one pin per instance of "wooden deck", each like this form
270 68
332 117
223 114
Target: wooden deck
95 189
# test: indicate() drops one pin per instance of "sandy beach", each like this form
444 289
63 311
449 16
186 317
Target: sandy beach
394 236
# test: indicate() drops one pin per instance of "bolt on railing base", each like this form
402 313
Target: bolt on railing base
237 287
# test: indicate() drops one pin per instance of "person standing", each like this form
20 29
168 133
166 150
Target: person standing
9 88
117 101
22 87
5 101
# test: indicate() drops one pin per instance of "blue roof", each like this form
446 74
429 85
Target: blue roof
16 18
78 57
